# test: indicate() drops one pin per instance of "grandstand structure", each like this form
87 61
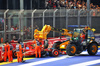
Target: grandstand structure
48 4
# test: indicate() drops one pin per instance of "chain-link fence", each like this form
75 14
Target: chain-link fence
22 23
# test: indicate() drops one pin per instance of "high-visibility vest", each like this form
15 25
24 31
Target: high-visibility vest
37 42
22 44
83 36
4 48
1 40
17 48
11 47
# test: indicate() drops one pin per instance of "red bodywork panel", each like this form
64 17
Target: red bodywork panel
1 54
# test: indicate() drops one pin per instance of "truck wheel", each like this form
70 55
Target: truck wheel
55 53
56 45
92 49
71 49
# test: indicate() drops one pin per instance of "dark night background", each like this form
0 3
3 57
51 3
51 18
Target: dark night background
15 4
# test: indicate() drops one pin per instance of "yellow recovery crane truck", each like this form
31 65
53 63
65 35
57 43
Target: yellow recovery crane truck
76 44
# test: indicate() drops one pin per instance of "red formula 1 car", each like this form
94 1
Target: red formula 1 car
46 47
29 47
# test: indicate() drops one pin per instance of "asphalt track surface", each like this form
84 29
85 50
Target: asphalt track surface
82 59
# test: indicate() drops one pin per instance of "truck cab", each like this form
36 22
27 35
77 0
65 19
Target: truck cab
79 44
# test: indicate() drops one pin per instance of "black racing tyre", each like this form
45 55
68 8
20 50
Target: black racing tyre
55 52
92 49
43 53
14 54
56 45
71 49
45 44
50 53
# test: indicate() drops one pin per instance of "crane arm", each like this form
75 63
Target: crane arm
43 33
46 29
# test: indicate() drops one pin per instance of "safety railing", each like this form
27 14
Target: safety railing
16 24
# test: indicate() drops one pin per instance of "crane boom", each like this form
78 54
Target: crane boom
46 29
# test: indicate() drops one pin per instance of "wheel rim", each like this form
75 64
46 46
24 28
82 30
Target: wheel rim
55 52
94 48
74 49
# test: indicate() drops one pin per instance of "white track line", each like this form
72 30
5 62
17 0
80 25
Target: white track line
87 52
87 63
46 61
50 60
